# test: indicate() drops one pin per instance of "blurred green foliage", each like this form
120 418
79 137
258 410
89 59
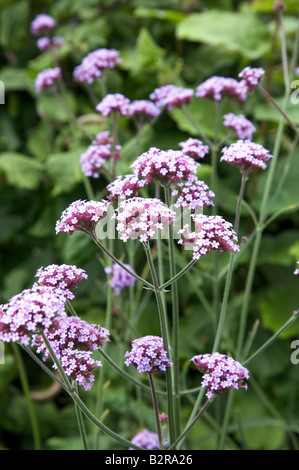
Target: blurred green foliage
170 41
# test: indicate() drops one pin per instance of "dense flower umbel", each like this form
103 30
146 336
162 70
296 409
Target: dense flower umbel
171 96
140 109
124 187
148 355
114 103
220 373
251 77
119 277
28 312
194 148
141 218
63 278
47 78
146 439
95 157
94 63
246 155
41 24
164 166
73 341
242 126
81 215
211 233
217 88
192 194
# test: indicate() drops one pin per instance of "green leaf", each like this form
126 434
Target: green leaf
54 109
64 170
149 56
21 171
266 6
166 15
240 33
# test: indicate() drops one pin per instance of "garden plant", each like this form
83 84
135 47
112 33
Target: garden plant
149 218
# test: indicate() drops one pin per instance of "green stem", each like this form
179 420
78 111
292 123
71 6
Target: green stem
81 425
26 390
156 409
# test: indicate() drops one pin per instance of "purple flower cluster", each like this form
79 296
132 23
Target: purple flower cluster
148 355
164 166
81 215
94 63
29 312
192 193
242 126
220 373
141 218
216 88
194 148
251 77
211 233
114 103
246 155
140 109
146 439
42 24
96 156
171 96
47 78
124 187
63 278
119 277
45 43
73 341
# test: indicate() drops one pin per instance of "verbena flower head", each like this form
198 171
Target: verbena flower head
210 233
114 103
297 269
146 439
94 63
246 155
220 373
64 278
192 193
141 109
164 166
251 77
171 96
119 277
81 215
47 78
141 218
45 43
242 126
216 88
42 24
95 157
148 355
73 341
29 312
102 138
125 187
194 148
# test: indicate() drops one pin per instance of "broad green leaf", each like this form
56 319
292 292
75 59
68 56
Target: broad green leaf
149 56
16 79
54 109
21 171
266 6
268 112
236 32
64 170
168 15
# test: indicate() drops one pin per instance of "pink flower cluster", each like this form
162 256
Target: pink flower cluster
141 218
194 148
171 96
73 341
217 88
192 193
139 109
211 233
146 439
47 78
64 278
220 373
124 187
148 355
46 43
81 215
94 63
164 166
119 277
42 23
246 155
114 103
29 312
251 77
242 126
